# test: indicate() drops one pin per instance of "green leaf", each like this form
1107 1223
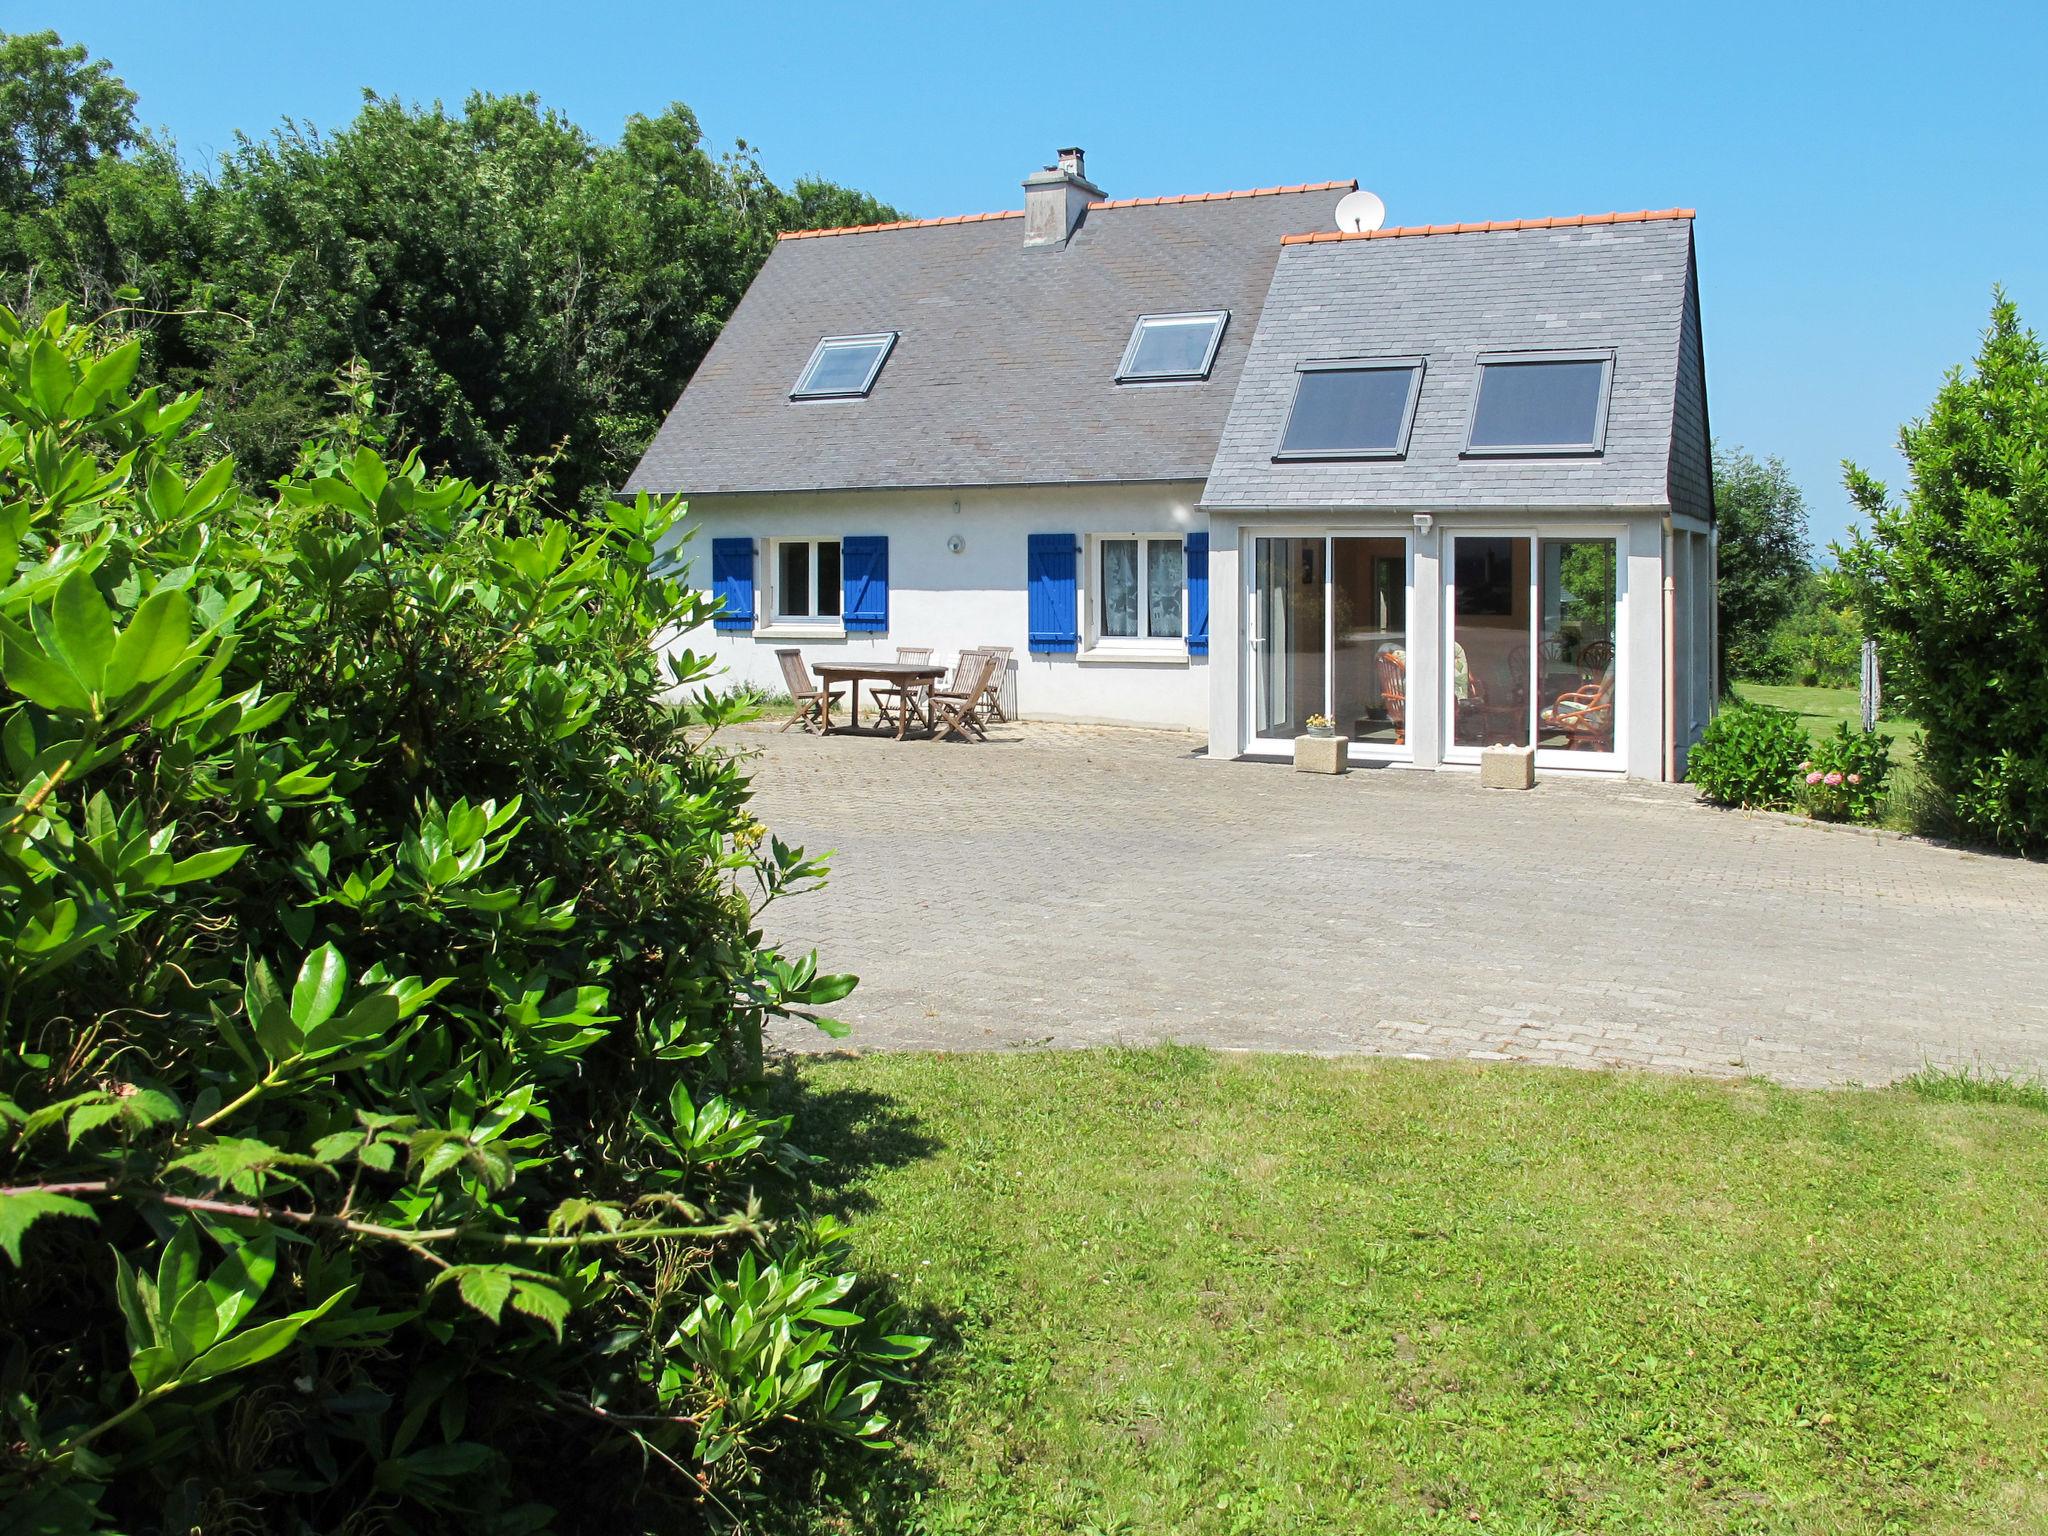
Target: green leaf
107 376
83 629
153 643
240 1282
235 1157
22 1210
317 993
203 866
365 1021
543 1302
88 1116
484 1287
829 989
268 1014
32 673
255 1345
49 380
368 474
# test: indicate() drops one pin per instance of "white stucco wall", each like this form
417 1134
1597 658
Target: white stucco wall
977 596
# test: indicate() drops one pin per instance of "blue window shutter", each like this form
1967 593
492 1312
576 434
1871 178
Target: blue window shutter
864 581
732 578
1198 594
1055 606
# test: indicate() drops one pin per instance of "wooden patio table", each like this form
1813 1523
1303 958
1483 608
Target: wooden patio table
902 674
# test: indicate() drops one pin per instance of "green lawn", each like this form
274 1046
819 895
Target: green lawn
1825 708
1182 1292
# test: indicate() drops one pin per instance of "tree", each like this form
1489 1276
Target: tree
58 116
1765 557
531 300
1954 583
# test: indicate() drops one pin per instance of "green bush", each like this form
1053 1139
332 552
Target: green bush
381 1000
1817 646
1749 755
1951 582
1844 779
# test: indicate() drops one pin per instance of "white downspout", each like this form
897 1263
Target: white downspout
1670 663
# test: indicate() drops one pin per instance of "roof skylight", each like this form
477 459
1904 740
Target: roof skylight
1352 408
843 367
1540 402
1166 347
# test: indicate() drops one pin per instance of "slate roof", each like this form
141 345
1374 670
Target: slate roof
1004 373
1447 293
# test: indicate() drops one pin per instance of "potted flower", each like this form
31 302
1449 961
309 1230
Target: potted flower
1319 749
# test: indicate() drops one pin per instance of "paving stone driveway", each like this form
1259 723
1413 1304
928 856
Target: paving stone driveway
1077 886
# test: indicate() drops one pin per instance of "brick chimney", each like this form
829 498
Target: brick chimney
1055 198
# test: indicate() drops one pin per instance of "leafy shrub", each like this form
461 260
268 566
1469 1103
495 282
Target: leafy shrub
1749 755
1818 645
1845 778
381 1002
1951 583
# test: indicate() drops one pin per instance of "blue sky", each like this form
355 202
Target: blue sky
1863 173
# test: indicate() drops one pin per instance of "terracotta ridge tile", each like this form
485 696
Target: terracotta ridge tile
1217 197
1492 226
1018 213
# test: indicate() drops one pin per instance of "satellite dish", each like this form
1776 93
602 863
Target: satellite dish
1358 212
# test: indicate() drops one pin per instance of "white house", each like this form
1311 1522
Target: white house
1207 462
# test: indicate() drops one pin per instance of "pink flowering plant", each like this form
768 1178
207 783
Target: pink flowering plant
1844 778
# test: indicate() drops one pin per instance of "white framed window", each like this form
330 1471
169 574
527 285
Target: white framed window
805 576
1540 403
1172 347
1139 584
843 367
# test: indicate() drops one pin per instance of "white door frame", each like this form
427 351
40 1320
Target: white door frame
1252 660
1534 535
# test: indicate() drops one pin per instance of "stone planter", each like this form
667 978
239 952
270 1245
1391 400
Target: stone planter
1320 754
1507 768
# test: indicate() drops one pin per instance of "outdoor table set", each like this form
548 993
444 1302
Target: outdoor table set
909 691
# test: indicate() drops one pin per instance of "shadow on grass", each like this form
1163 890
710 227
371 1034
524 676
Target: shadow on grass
854 1131
839 1487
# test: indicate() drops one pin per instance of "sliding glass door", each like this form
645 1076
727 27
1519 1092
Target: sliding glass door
1531 650
1329 636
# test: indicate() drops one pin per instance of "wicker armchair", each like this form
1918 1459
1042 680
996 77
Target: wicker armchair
1394 689
1583 716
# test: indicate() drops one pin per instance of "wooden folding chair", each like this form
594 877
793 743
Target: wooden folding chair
953 709
992 702
813 704
908 699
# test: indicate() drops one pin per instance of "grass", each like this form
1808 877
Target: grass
1965 1087
1822 709
1180 1292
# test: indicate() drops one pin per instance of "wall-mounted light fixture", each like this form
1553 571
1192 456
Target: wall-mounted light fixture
1423 522
956 543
